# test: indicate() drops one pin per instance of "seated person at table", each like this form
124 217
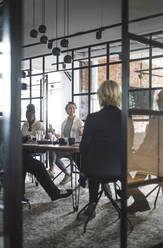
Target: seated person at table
37 168
30 127
100 146
71 127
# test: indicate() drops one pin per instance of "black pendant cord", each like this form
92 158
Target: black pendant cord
33 14
43 12
101 15
67 17
64 18
56 21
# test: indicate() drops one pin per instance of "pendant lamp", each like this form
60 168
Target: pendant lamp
33 33
56 50
42 28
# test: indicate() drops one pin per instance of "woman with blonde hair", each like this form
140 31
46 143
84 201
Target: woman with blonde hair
100 145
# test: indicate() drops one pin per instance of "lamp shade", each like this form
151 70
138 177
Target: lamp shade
42 28
64 43
33 33
56 51
43 39
24 86
67 59
99 35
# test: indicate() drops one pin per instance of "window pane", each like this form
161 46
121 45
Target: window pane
36 86
37 65
157 72
138 50
50 63
115 51
94 103
115 73
81 58
26 93
139 74
81 81
25 64
82 106
98 55
98 75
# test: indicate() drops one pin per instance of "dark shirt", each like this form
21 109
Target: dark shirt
101 142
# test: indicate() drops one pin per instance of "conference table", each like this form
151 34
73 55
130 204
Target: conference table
73 150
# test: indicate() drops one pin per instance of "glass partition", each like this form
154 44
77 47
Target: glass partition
145 134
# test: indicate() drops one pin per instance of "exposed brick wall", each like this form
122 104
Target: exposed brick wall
136 78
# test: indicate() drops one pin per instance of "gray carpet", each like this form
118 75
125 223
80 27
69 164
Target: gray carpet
53 225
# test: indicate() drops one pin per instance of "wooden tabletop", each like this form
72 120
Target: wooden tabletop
50 147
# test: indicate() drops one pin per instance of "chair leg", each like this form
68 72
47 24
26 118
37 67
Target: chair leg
158 186
93 209
90 215
115 205
157 196
78 215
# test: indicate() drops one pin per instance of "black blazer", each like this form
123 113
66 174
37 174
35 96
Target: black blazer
100 145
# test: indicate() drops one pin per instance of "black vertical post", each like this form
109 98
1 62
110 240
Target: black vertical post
57 62
30 80
150 76
89 79
125 84
72 78
12 135
41 97
46 80
108 59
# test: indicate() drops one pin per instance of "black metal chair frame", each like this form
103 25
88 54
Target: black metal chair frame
74 185
114 203
148 181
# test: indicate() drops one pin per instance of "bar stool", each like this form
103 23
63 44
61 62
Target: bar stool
104 189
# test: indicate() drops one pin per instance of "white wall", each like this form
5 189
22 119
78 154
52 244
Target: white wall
59 95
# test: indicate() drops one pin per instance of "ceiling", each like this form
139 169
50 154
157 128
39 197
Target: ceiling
83 16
